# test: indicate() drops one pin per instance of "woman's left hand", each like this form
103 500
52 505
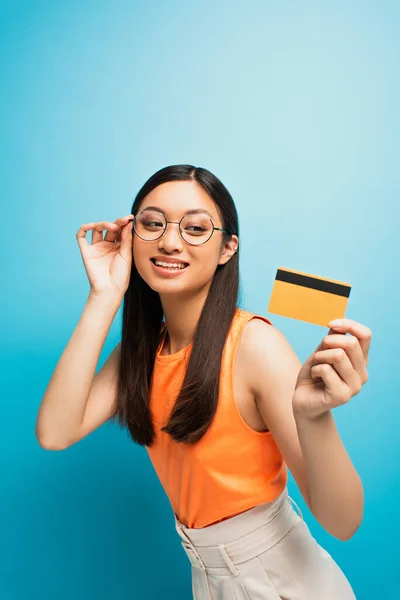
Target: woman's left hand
335 372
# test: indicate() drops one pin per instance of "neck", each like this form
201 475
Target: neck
181 316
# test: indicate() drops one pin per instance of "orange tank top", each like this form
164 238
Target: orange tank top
232 467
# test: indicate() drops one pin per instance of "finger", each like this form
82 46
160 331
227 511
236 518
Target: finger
334 332
123 228
361 332
114 234
351 345
82 231
99 228
126 229
126 242
340 361
335 387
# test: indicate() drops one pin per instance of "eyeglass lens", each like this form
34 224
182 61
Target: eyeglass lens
195 229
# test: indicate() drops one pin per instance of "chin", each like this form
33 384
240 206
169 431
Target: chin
161 285
167 287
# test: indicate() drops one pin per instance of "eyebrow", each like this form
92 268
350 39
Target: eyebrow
191 211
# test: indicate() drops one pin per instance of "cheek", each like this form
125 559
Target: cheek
206 263
140 249
140 256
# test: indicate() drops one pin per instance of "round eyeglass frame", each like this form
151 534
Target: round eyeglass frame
180 229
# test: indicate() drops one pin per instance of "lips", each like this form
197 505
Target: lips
168 272
172 261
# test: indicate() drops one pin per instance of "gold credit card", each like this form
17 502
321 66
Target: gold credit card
308 297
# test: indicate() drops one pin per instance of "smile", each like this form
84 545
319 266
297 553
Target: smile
168 269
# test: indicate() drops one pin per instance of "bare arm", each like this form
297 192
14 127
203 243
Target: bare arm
272 368
313 450
65 413
335 486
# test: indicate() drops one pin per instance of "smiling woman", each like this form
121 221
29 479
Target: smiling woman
186 383
191 300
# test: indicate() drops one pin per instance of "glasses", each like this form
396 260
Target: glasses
194 229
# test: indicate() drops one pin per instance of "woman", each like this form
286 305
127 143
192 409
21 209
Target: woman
215 393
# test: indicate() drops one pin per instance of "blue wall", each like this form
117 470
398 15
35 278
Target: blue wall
295 106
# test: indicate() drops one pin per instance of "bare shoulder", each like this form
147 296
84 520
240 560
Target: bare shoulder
271 362
265 346
272 368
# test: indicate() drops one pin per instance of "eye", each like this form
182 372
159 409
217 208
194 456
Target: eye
153 224
195 228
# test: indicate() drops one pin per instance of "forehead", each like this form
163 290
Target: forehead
176 197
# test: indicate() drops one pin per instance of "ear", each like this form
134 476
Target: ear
229 249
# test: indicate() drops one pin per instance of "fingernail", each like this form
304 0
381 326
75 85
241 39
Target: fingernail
336 323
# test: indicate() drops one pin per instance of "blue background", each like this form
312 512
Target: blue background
295 106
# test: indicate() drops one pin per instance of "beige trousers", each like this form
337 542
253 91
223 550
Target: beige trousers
265 553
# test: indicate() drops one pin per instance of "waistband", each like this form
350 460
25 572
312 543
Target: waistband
241 537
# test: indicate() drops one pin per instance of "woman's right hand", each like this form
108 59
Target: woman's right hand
107 261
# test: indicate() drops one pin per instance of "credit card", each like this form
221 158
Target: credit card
307 297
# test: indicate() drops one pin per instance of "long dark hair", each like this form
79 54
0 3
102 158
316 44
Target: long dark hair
197 401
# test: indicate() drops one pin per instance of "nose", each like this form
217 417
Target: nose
171 240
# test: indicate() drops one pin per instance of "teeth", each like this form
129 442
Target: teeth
169 265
